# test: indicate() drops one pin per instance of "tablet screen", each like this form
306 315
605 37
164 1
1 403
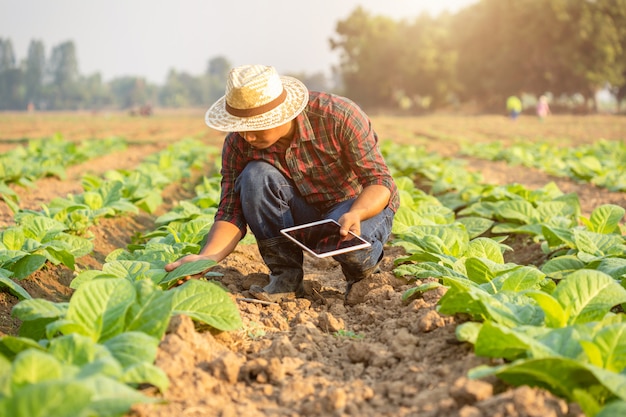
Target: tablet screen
322 238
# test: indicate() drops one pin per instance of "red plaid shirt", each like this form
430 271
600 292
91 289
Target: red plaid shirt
334 154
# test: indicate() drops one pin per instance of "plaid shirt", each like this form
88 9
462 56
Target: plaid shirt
334 154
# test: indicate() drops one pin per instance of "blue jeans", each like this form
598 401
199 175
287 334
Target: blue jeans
271 202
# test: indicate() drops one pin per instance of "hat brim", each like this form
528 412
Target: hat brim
297 98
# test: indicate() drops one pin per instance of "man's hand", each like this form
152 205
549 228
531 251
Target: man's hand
350 222
185 259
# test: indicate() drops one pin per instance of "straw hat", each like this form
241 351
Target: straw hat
257 98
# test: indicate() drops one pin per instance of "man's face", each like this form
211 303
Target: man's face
263 139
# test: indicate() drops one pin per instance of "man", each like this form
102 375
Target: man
292 157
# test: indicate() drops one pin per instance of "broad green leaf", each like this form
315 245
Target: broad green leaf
208 303
555 315
475 226
14 288
562 266
88 275
10 346
27 265
588 295
598 244
605 219
468 331
479 271
74 349
146 373
187 269
151 312
498 341
77 245
100 307
49 398
520 279
93 200
485 248
519 210
615 267
33 365
130 270
561 376
38 308
150 202
57 257
112 398
608 347
419 290
13 238
612 409
42 229
131 348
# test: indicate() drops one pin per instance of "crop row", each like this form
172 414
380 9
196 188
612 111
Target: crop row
560 327
48 157
600 163
87 356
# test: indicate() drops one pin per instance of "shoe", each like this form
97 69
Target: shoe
263 294
353 279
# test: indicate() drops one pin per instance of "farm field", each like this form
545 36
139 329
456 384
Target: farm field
374 354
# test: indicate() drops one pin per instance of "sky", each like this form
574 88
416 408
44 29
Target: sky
148 38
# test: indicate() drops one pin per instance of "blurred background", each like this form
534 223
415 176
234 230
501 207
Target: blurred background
390 56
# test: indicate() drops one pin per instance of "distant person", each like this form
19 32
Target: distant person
543 108
293 156
513 107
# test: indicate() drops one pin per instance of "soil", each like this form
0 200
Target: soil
322 355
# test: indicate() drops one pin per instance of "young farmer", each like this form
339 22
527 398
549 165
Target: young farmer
294 156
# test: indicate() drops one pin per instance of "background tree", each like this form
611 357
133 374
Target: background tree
34 69
11 89
369 58
62 89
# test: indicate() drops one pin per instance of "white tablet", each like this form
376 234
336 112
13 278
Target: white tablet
322 238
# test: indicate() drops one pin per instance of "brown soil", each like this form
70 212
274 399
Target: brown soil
321 355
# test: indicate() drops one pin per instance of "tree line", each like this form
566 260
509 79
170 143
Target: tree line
569 49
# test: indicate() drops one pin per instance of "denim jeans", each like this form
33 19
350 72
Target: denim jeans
271 202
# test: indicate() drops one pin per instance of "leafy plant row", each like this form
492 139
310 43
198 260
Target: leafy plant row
102 344
600 163
57 234
561 326
48 157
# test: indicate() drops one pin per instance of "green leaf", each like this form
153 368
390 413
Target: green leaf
112 398
588 295
10 346
208 303
187 269
46 399
14 288
27 265
606 218
131 348
146 373
151 312
562 266
612 409
74 349
485 248
33 365
13 238
100 306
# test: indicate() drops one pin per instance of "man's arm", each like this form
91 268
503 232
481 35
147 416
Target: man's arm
221 241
